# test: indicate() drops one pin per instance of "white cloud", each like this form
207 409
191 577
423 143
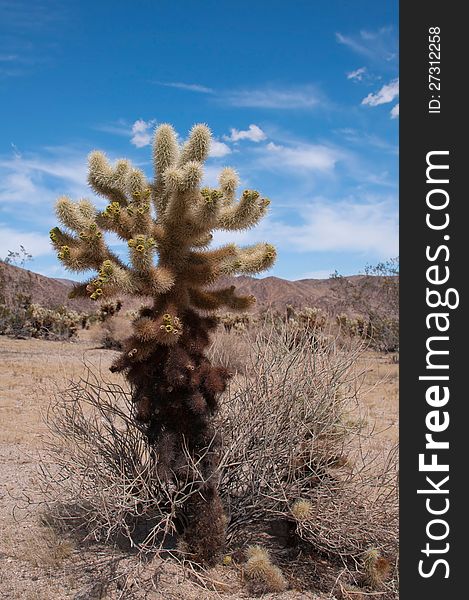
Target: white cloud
299 97
190 87
378 46
219 149
395 112
310 157
211 174
142 133
288 98
34 243
357 75
253 133
362 139
347 226
39 180
387 93
352 43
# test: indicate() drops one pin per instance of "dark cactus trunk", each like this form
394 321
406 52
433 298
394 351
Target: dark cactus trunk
175 390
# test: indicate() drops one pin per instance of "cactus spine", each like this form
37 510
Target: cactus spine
376 567
263 576
167 225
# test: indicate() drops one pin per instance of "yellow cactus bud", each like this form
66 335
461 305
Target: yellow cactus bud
250 195
140 248
64 252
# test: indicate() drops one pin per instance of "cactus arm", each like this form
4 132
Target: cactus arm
228 182
165 155
244 214
106 181
197 146
213 300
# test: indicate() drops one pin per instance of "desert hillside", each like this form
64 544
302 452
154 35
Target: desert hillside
46 291
270 291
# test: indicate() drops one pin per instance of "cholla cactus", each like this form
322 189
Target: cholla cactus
263 576
175 388
302 510
376 567
108 310
236 322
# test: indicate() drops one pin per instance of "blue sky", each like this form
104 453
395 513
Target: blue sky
302 98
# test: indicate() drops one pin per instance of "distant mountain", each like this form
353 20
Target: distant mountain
270 291
278 293
43 290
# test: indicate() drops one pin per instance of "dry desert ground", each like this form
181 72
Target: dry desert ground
37 563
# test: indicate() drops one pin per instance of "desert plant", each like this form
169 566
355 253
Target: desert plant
108 310
235 322
295 462
24 319
373 298
174 385
263 576
112 333
16 258
377 568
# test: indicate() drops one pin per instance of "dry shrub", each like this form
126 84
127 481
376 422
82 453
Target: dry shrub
293 458
99 476
373 299
229 350
111 332
289 437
